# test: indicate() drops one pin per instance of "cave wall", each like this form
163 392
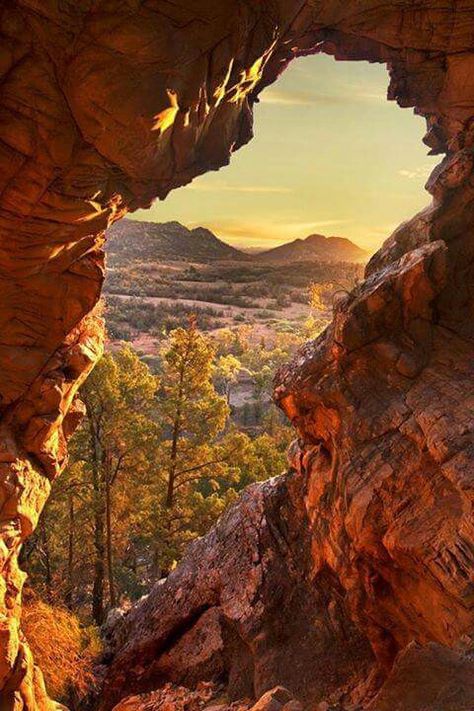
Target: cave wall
107 105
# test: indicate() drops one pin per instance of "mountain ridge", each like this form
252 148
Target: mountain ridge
140 240
315 246
145 241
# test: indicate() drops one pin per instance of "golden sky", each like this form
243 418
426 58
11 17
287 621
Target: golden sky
330 155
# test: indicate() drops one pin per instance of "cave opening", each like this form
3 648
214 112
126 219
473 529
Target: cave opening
330 156
103 108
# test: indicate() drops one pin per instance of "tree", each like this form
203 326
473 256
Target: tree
119 432
226 373
193 416
153 465
322 294
190 408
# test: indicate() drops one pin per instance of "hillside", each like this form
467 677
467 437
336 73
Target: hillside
317 247
159 274
150 241
137 241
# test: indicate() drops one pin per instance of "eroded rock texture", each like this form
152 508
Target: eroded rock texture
207 697
244 608
105 105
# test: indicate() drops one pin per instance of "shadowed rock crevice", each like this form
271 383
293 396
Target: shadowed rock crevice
104 107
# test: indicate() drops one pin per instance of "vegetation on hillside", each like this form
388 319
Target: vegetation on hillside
273 297
136 240
171 435
157 459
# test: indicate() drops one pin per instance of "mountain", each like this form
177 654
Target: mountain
315 247
150 241
134 240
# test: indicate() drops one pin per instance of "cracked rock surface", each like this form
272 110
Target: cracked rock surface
107 105
242 605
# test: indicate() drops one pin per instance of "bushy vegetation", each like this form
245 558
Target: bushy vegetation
127 318
220 294
63 649
245 285
158 458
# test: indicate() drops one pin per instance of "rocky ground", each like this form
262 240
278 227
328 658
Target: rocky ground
207 697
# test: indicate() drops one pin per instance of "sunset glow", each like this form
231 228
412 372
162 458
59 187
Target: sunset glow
330 155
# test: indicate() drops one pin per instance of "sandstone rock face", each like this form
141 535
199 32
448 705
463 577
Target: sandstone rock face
104 106
430 677
244 608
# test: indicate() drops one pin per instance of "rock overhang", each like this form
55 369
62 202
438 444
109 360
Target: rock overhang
105 108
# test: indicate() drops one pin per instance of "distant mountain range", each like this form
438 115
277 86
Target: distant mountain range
315 247
149 241
135 240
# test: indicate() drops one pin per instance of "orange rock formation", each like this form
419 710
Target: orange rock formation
106 105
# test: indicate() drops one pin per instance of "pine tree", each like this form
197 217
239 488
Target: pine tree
194 417
120 430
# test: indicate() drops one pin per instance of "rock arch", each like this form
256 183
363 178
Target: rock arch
107 105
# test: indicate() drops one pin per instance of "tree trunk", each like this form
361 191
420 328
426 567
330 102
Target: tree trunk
48 577
110 562
171 478
156 571
174 443
68 598
97 457
99 548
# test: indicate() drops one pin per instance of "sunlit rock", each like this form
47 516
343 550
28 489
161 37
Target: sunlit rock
105 106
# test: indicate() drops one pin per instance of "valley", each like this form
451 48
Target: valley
158 275
258 307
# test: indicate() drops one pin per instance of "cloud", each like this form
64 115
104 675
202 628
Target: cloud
269 234
415 173
225 188
301 98
362 93
297 227
287 98
343 94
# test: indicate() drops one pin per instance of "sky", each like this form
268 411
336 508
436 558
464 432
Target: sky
330 155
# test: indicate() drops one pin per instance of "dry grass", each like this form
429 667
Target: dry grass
63 650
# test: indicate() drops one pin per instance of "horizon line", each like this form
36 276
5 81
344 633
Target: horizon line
240 242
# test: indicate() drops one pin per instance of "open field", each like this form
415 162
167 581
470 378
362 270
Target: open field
146 299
